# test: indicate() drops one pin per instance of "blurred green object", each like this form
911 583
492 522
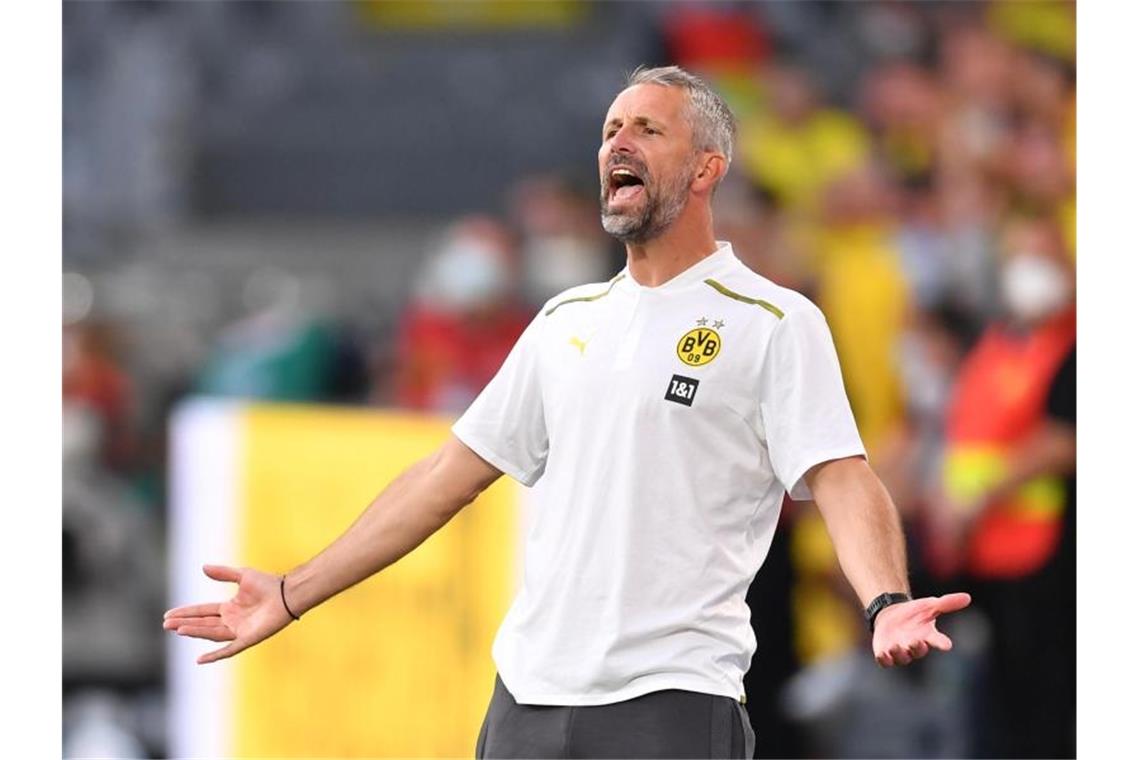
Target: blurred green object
281 363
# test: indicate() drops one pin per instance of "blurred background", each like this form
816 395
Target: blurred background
359 205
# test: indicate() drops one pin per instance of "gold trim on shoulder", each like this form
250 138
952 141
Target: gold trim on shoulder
744 299
594 297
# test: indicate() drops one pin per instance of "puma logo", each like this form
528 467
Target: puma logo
579 344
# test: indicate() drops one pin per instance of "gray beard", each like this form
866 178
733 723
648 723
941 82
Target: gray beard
656 216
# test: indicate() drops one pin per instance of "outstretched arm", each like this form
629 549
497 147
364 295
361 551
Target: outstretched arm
864 527
416 504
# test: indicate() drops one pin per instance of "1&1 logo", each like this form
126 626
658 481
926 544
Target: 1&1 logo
698 346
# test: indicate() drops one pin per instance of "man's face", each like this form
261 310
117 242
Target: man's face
646 162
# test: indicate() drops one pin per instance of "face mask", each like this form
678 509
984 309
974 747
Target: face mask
554 264
1033 287
464 275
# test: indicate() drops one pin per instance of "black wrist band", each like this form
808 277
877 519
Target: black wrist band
295 617
880 603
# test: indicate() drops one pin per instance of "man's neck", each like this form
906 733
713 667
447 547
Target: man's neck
659 260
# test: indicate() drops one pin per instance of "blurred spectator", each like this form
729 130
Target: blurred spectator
464 320
96 724
972 207
761 234
794 147
93 380
909 459
892 30
1007 519
1041 176
925 245
113 578
903 106
1043 88
714 39
1037 168
863 292
563 244
281 351
977 71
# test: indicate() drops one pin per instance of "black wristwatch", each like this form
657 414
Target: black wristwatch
880 603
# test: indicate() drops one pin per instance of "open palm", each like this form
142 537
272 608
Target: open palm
907 631
254 613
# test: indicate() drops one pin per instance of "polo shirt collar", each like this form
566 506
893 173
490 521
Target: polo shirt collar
696 273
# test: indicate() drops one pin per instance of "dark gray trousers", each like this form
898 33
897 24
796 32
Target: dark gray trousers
671 723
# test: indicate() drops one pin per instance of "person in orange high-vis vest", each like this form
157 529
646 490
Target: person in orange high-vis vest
1007 521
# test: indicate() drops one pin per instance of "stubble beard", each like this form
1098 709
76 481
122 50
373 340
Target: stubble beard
658 212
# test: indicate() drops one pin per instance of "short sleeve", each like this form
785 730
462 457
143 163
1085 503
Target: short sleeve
804 409
1062 402
505 424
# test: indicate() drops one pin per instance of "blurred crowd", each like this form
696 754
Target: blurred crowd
908 166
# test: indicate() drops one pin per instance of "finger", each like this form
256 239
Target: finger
194 610
900 656
220 654
918 650
952 602
175 622
940 641
222 573
884 660
211 632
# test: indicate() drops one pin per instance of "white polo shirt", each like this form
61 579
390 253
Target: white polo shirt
660 428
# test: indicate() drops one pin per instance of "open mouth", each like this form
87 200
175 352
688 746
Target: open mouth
624 184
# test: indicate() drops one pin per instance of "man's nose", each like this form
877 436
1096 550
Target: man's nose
622 141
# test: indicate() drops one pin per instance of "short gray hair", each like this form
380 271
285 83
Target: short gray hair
714 126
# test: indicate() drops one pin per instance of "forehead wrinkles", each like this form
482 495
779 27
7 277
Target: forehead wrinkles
640 102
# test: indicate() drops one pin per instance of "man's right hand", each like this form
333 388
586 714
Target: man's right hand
412 507
255 613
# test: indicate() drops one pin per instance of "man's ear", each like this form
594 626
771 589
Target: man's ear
711 169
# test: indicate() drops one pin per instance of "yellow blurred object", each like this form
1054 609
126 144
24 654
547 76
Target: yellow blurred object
863 293
1067 212
797 161
823 623
811 546
1049 26
399 665
1067 218
739 89
1069 133
478 14
970 471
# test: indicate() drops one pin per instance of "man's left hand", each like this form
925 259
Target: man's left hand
906 631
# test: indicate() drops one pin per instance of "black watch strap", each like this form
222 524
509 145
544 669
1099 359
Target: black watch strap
880 603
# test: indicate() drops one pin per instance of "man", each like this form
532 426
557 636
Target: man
660 418
1007 523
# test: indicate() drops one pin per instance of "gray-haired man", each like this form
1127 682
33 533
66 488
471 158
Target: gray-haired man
660 418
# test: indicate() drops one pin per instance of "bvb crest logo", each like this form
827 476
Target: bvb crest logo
698 346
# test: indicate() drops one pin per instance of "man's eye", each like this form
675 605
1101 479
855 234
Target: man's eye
651 131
